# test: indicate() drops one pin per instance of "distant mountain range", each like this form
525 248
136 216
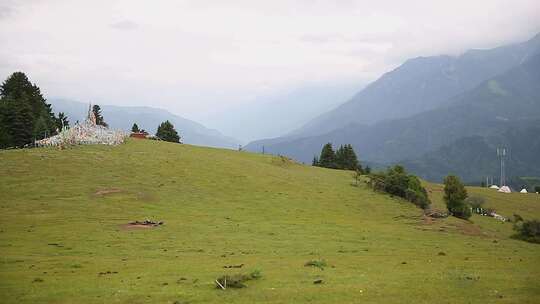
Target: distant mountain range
421 84
276 113
429 106
120 117
474 157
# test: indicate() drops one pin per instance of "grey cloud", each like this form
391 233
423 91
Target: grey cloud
6 11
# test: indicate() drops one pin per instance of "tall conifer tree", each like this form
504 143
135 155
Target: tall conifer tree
328 157
454 196
167 132
99 117
24 112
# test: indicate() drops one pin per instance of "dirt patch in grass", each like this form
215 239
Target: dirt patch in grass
146 224
469 229
106 191
130 226
430 220
441 225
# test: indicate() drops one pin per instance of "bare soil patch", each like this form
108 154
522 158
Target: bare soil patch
146 224
469 229
106 191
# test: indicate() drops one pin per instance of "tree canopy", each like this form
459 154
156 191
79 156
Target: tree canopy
24 113
397 181
328 157
99 117
454 196
166 132
62 120
344 158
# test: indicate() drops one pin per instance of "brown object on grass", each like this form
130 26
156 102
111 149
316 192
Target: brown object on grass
233 266
143 224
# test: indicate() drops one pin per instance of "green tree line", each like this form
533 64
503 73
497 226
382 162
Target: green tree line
25 115
344 158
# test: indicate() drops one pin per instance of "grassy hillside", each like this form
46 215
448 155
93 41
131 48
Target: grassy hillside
63 237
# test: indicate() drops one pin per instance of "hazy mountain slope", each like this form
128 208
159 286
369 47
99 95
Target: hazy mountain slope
486 110
422 84
473 158
418 85
277 113
147 118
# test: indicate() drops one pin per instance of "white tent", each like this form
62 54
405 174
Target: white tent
505 189
523 190
494 187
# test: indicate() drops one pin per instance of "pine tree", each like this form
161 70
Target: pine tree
341 157
315 161
454 196
62 121
328 157
99 118
18 121
6 110
351 160
16 85
23 106
40 129
346 158
167 132
135 128
49 118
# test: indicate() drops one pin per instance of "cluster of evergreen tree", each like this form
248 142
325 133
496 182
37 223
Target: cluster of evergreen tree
25 115
397 181
455 196
135 129
166 132
344 158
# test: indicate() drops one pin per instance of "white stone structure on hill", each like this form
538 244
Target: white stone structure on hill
86 133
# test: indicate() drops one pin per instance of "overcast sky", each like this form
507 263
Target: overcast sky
198 58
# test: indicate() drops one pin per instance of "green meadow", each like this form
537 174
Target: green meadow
64 236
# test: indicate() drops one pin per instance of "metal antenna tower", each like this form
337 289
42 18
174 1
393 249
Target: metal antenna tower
501 153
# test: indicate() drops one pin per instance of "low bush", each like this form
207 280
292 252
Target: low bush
528 231
396 181
461 211
237 280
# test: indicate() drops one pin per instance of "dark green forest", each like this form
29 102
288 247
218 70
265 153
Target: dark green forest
25 115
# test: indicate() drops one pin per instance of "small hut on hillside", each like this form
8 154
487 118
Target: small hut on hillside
141 135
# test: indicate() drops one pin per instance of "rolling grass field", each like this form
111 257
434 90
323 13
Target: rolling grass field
63 234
